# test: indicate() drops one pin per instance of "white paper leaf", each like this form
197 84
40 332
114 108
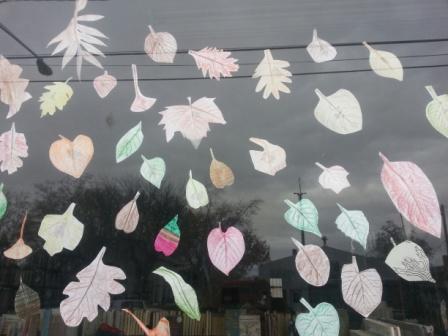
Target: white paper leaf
196 193
273 75
141 103
354 224
334 178
160 47
320 50
270 160
384 63
339 112
153 170
437 111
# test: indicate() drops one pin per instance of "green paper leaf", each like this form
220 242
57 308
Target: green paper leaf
323 320
153 170
129 143
354 225
184 294
437 111
3 202
303 216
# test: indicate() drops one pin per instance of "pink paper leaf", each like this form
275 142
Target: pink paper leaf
225 249
128 217
13 147
161 47
412 194
104 84
215 62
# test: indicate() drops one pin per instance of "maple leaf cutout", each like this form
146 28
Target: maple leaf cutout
12 87
96 283
80 40
13 147
191 120
216 62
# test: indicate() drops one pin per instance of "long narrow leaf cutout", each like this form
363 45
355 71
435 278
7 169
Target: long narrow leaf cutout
129 143
339 112
192 120
12 86
61 231
196 193
3 202
215 62
270 160
323 320
80 40
225 248
13 148
184 295
140 103
413 194
72 157
303 216
104 84
410 262
354 224
320 50
153 170
437 111
384 63
162 328
55 98
96 283
19 250
161 47
361 290
26 302
312 264
273 76
221 174
128 217
333 178
168 238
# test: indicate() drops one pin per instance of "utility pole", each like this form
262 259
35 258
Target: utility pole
299 195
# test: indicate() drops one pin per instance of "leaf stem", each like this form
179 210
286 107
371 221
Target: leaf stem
321 166
319 94
22 227
306 304
211 153
297 243
393 241
431 91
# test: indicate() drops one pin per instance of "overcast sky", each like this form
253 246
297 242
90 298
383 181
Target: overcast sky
394 112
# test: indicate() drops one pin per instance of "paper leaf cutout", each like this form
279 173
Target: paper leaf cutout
12 87
160 47
320 50
220 174
303 216
361 290
72 157
437 111
140 103
312 264
273 75
153 170
339 112
191 120
162 328
410 262
104 84
184 295
55 98
26 302
412 194
61 231
196 193
323 320
127 218
384 63
19 250
3 202
13 147
129 143
225 248
96 282
354 224
168 238
334 178
270 160
216 62
80 40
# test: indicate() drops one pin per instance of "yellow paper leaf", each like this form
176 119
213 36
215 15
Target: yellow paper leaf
55 98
